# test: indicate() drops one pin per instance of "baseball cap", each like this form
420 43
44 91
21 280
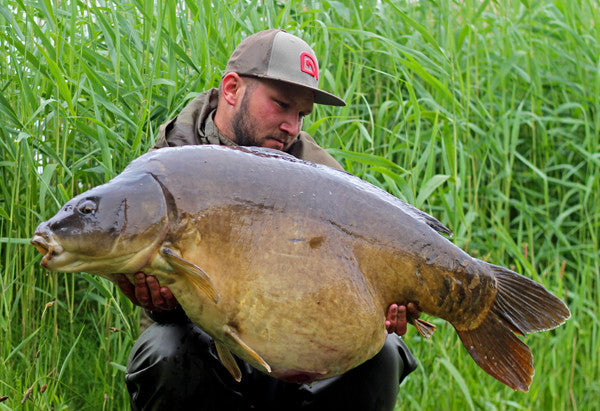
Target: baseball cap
277 55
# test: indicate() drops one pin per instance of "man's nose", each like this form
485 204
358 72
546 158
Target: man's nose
292 125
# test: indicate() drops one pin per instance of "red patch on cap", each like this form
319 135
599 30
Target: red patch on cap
308 65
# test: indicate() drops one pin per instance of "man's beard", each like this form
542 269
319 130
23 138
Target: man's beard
242 129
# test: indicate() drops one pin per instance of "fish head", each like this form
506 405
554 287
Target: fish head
113 228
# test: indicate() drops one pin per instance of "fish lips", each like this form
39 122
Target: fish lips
54 256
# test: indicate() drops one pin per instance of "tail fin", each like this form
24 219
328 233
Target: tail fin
522 306
526 305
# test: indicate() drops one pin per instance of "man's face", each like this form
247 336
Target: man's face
270 113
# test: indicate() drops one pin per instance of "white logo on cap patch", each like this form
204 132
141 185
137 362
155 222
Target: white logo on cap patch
308 65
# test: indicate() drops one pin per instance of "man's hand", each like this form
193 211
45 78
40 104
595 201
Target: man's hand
398 317
147 292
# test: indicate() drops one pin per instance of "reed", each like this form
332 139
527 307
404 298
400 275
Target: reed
485 114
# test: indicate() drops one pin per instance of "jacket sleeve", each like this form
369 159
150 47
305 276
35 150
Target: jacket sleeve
176 132
183 130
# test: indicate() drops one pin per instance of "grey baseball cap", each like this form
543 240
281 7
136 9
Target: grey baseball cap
278 55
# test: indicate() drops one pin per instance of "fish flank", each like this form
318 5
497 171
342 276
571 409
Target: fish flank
461 295
420 277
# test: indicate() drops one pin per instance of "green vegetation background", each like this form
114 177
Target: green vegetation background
485 114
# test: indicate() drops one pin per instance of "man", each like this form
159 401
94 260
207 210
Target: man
270 85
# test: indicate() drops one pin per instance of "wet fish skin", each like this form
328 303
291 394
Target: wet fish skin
266 253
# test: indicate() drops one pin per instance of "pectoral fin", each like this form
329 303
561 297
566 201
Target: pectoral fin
228 361
231 333
423 327
195 274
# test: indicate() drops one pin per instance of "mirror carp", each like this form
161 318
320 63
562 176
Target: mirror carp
270 254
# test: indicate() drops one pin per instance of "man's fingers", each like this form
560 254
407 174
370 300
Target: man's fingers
154 288
412 312
169 298
396 318
127 288
148 293
142 294
162 298
391 318
401 320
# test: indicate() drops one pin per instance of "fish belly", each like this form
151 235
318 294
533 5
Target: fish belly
290 287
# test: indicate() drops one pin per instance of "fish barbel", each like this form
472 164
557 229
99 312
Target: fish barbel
266 253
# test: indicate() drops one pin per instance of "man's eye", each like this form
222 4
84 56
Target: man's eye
281 104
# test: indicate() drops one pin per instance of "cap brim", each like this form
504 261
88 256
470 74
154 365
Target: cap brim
321 97
328 99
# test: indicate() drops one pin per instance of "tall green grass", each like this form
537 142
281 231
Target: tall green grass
485 114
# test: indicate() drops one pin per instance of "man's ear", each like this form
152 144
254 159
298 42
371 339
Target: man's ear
231 88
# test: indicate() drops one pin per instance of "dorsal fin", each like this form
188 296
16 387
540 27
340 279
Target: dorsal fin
426 218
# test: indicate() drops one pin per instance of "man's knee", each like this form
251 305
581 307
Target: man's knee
408 361
167 345
168 364
394 362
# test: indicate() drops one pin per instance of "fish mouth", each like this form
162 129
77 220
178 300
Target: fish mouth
51 250
58 258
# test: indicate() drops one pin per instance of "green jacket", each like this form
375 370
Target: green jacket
194 125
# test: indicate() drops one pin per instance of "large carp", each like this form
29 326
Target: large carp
267 253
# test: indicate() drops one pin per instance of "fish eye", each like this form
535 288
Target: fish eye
87 207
